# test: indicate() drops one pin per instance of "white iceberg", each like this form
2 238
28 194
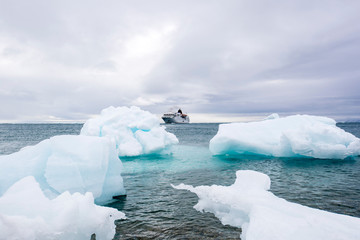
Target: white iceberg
263 216
293 136
135 131
26 213
67 163
272 116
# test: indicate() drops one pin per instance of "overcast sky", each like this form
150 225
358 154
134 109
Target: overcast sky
67 60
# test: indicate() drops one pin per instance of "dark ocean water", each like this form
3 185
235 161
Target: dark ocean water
155 210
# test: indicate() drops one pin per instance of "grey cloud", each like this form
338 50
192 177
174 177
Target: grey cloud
224 57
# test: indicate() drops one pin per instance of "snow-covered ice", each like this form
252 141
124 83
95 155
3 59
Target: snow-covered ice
26 213
67 163
292 136
263 216
135 131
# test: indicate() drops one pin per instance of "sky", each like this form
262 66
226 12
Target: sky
224 60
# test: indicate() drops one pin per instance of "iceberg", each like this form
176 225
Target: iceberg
67 163
26 213
261 215
292 136
135 131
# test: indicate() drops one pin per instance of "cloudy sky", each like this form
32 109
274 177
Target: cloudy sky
67 60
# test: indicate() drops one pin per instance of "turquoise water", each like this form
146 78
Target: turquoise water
155 210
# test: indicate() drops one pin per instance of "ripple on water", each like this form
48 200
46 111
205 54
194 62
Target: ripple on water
155 210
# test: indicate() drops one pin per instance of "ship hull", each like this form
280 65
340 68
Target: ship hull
176 119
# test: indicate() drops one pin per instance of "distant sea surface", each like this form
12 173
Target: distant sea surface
155 210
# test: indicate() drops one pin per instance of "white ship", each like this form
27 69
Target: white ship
175 117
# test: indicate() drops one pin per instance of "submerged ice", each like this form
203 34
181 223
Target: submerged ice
135 131
261 215
293 136
26 213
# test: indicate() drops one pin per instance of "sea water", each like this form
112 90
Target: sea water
155 210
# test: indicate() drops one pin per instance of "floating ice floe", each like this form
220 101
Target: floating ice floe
135 131
293 136
67 163
26 213
262 216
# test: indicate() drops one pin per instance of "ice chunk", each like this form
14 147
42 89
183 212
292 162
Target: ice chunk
272 116
263 216
67 163
293 136
26 213
135 131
